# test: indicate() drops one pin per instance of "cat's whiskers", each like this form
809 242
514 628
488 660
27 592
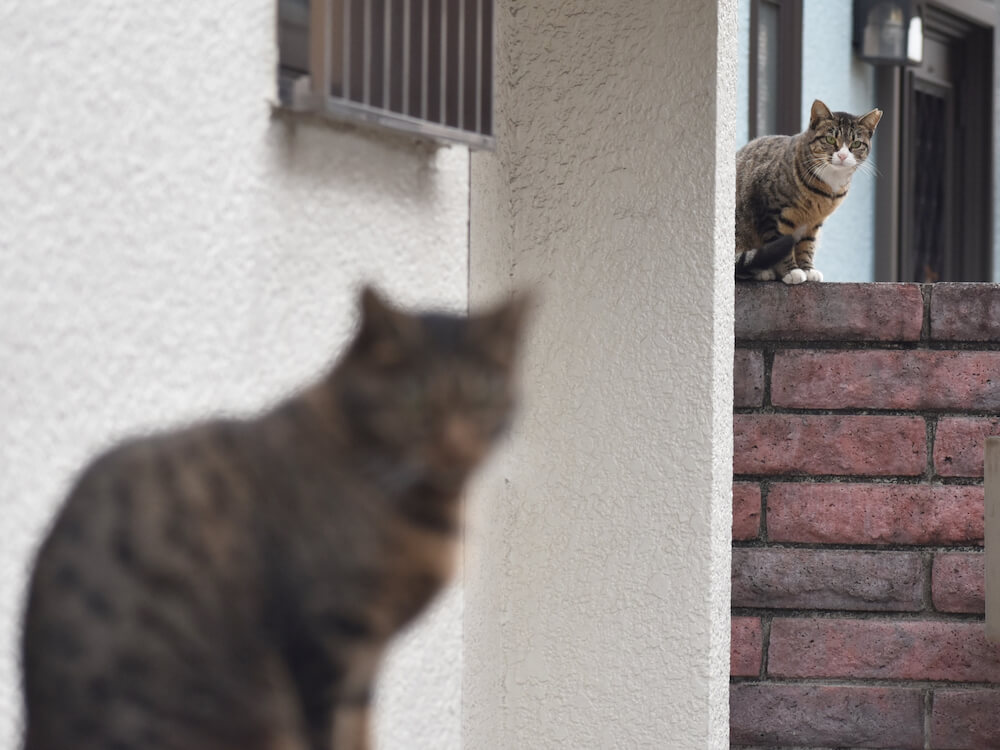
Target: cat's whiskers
814 167
868 166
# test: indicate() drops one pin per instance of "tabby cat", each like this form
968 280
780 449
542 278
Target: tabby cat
786 187
232 585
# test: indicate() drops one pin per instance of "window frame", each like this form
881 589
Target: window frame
302 90
789 105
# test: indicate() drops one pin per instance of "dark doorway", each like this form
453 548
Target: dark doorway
935 206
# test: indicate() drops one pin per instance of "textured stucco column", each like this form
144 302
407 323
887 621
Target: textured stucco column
597 572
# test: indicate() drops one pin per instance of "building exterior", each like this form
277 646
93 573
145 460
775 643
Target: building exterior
173 246
876 235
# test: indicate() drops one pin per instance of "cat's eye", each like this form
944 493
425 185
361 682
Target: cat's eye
857 144
483 389
831 140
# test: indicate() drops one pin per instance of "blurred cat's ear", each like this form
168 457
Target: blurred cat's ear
871 119
818 112
384 331
374 309
499 331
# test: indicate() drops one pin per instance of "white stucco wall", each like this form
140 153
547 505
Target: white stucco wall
168 250
597 576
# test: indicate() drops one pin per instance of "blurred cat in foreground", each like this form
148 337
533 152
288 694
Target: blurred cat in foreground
233 585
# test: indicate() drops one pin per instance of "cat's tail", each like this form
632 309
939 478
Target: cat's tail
764 257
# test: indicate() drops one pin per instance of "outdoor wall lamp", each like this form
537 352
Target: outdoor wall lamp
888 32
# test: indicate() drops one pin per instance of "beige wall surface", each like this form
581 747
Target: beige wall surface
168 250
597 575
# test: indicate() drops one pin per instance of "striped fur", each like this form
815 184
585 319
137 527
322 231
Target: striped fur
787 186
750 261
232 585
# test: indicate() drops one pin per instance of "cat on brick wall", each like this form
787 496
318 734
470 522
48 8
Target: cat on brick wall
786 187
232 585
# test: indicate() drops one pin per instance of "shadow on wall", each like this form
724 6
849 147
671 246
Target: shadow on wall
298 139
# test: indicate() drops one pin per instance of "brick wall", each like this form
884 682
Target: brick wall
860 417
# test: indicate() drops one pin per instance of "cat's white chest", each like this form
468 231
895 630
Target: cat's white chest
837 182
837 173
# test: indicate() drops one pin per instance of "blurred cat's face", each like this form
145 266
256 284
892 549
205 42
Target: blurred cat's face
437 410
433 391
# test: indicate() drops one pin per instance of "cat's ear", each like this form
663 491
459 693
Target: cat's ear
384 331
499 332
818 112
375 311
871 119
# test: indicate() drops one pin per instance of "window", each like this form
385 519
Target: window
422 66
934 212
775 67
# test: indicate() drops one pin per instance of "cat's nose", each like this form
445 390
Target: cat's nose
460 441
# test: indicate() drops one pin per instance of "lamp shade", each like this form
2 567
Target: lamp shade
888 32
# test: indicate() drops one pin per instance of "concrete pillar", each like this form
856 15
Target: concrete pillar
597 570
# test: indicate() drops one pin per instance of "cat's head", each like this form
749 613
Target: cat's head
431 390
838 142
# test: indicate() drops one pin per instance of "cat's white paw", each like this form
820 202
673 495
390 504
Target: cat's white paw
767 274
814 274
795 276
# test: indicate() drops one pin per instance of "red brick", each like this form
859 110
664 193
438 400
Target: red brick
966 719
774 715
965 312
772 444
748 378
745 647
959 444
746 510
958 582
881 379
883 650
828 312
827 579
874 513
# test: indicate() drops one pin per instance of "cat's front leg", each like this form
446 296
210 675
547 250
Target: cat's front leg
784 269
805 250
351 726
335 703
788 272
351 723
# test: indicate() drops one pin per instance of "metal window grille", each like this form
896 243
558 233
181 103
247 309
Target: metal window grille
422 66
